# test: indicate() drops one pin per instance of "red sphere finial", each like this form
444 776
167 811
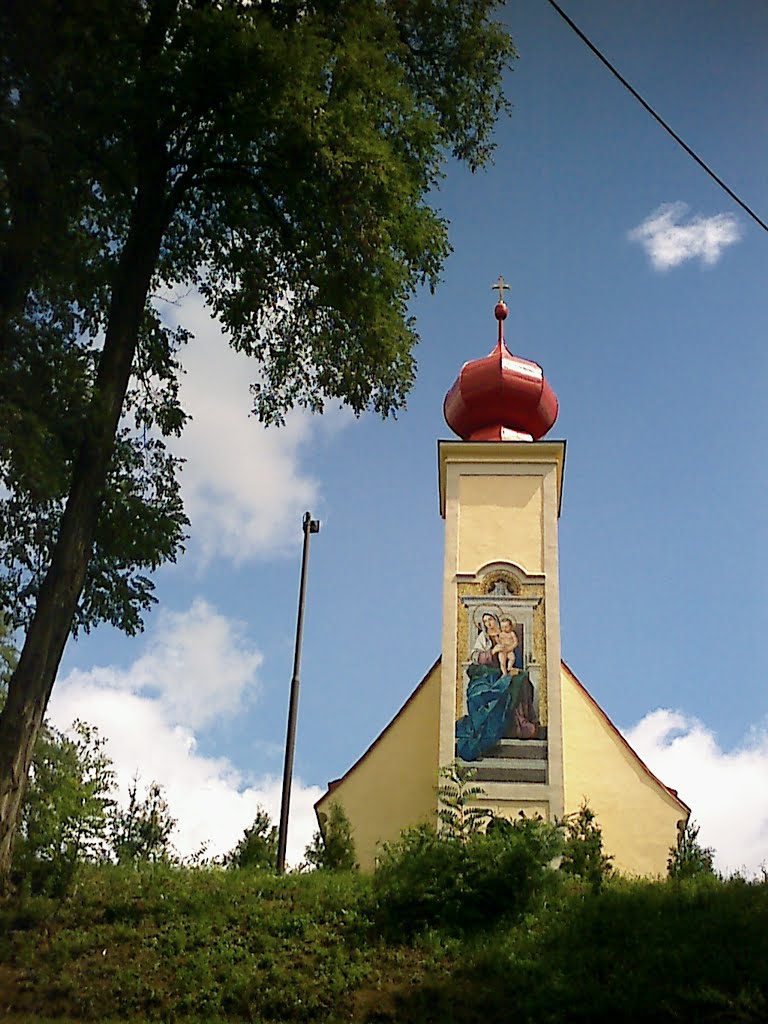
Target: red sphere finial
501 311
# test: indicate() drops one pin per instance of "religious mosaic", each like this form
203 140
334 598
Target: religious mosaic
499 672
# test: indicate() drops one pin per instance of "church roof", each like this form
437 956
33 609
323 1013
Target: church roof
501 397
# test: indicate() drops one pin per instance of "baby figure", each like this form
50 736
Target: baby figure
507 643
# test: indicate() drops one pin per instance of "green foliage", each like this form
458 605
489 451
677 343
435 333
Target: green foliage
583 851
277 157
161 942
689 858
462 877
65 815
142 830
544 838
460 883
141 524
458 815
638 951
258 847
8 657
332 847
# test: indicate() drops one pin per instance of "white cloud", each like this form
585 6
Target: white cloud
670 243
245 486
197 666
197 663
726 790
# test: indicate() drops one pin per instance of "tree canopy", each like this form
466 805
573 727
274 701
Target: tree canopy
278 157
258 846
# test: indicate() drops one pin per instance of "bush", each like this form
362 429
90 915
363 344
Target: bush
458 814
258 847
142 830
583 853
689 858
426 880
65 814
546 840
332 847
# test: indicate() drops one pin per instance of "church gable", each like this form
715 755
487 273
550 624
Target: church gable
637 813
394 783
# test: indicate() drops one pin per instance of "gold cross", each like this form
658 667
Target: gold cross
501 286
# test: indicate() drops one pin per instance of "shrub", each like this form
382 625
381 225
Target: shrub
332 847
544 838
142 830
458 814
429 880
583 852
689 858
65 814
258 847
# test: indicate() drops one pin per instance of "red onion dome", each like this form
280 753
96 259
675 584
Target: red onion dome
501 397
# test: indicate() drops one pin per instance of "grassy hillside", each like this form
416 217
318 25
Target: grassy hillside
165 944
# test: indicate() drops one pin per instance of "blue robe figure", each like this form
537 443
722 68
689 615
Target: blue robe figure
497 706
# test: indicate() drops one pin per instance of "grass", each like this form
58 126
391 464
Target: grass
637 951
163 943
169 944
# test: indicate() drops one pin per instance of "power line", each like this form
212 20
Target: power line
656 117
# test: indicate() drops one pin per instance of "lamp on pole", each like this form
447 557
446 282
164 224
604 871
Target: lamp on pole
309 526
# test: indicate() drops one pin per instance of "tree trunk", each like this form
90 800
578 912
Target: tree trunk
31 684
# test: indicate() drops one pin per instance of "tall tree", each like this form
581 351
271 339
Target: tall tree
278 157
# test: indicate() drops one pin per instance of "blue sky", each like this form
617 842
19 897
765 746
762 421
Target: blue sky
641 289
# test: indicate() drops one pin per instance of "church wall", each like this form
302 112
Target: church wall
394 784
637 814
500 519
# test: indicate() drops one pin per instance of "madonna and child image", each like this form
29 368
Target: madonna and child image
499 692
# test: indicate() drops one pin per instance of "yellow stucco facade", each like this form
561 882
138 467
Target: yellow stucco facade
500 513
501 503
638 815
393 784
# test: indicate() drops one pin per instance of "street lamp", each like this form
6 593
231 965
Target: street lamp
309 526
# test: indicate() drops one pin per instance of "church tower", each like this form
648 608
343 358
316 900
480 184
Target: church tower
500 488
500 699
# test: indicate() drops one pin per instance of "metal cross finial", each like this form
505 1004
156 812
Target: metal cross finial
501 286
